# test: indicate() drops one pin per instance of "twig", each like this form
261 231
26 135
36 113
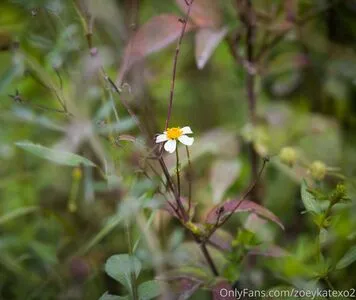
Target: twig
178 173
59 78
275 41
124 103
173 188
248 191
18 99
190 174
217 225
208 258
175 62
134 290
52 89
249 20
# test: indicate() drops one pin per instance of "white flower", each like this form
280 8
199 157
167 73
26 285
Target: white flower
171 135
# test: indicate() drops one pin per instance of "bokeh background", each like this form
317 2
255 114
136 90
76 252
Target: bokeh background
59 224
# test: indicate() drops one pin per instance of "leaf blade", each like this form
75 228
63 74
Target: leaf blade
206 41
149 290
237 206
120 267
159 32
204 13
223 174
308 199
107 296
55 156
347 259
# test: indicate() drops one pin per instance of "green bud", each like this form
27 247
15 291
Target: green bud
322 221
318 170
288 156
339 194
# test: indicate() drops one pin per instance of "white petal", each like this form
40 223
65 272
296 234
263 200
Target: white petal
186 130
161 138
186 140
170 146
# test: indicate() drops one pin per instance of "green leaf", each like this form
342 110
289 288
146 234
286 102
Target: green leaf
56 156
148 290
7 77
17 213
118 127
310 204
109 226
46 252
107 296
121 266
347 259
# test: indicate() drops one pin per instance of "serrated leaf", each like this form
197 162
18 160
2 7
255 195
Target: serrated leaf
149 290
237 206
107 296
206 41
121 266
56 156
308 199
347 259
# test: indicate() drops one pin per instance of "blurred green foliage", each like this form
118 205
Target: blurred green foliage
59 223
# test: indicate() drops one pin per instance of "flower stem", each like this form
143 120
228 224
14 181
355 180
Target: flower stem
175 61
180 210
132 273
178 173
251 92
190 174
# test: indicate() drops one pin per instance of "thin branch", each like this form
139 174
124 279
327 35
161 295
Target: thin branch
250 35
52 89
178 173
19 99
209 259
173 188
233 45
302 21
190 174
249 20
247 193
220 211
59 78
175 209
124 103
175 62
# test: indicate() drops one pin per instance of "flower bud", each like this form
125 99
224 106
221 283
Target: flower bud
318 170
288 156
339 194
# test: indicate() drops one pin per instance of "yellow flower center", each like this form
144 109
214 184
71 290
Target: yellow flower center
174 133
